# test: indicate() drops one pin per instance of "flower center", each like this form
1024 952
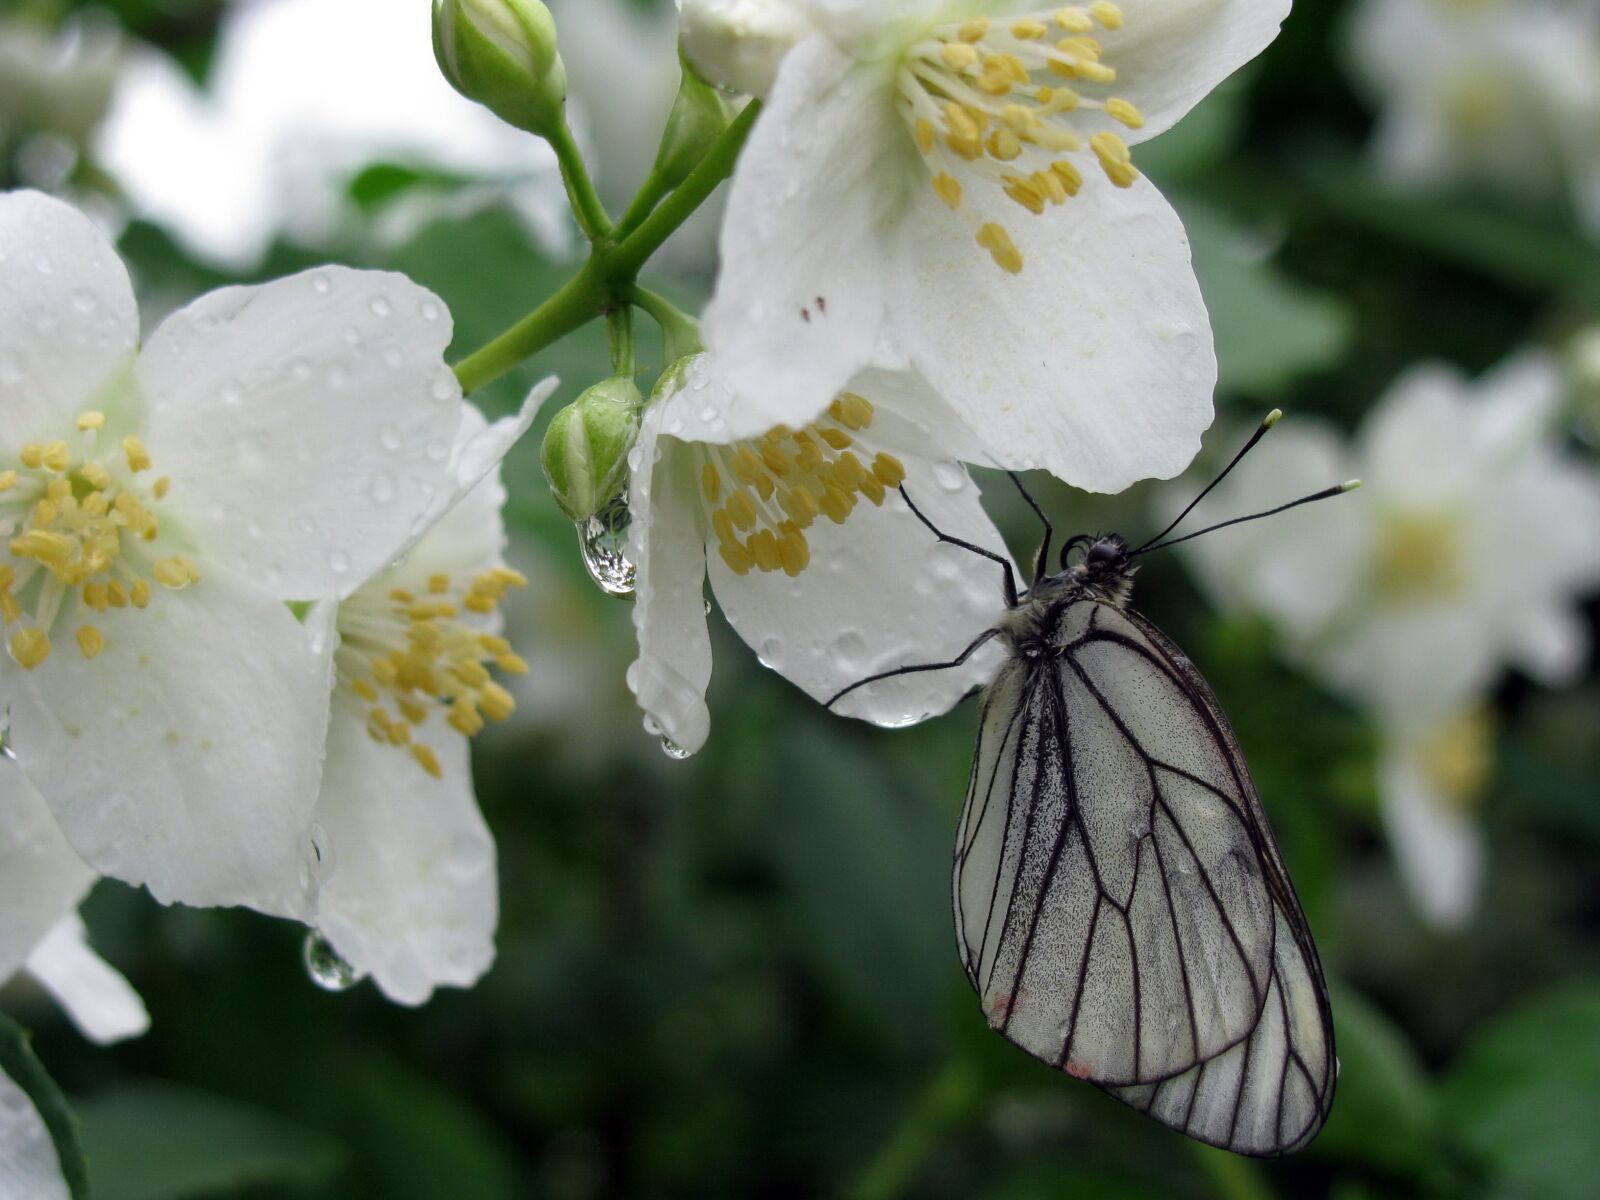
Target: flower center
423 653
762 495
78 533
1008 102
1458 758
1420 558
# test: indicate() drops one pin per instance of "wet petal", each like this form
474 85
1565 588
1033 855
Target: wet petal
101 1003
42 879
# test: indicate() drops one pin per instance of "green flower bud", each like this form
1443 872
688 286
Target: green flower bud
585 451
502 53
699 116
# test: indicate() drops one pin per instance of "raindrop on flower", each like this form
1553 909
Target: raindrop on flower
674 751
339 562
950 476
603 538
329 970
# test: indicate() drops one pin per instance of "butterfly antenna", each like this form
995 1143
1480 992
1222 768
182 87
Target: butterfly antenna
1326 494
1272 419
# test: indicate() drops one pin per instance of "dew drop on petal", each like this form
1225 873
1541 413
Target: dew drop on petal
321 284
328 969
389 438
379 305
950 475
429 311
674 751
338 562
602 539
383 488
471 856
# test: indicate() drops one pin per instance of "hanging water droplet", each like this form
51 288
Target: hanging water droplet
707 602
328 969
603 538
674 751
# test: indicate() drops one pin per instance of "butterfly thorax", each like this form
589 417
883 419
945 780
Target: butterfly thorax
1105 573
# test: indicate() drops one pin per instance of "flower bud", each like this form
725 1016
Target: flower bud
738 44
585 451
502 53
699 116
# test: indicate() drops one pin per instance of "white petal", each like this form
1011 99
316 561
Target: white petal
1170 54
1550 643
412 897
307 424
1439 850
739 44
799 305
68 322
881 592
673 670
186 755
1095 363
1417 445
42 879
101 1003
32 1168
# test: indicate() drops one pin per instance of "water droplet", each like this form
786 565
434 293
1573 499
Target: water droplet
383 487
951 476
321 284
339 562
380 307
83 301
707 602
471 856
674 751
429 311
444 387
389 438
603 538
328 969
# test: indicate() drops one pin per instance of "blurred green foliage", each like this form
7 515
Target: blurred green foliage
735 976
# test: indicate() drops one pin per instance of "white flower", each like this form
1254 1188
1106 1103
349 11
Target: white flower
269 444
948 186
270 147
1505 92
1431 781
1465 551
42 882
53 81
410 893
814 558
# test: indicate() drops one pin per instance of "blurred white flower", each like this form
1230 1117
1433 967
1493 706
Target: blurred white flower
268 444
301 95
55 85
42 882
1466 552
814 558
1431 781
1504 92
410 895
933 188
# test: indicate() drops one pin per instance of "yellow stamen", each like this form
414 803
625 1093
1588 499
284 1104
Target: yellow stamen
91 420
30 646
1120 110
134 450
90 641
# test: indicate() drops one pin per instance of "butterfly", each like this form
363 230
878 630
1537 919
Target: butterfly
1121 906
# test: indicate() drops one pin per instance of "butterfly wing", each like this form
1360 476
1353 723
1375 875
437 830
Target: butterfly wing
1121 907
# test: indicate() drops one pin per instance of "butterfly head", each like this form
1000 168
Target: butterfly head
1106 567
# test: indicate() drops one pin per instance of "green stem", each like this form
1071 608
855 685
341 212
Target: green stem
644 203
577 303
679 331
1232 1177
591 214
619 330
607 279
945 1099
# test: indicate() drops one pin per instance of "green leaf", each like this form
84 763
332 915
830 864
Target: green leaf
1385 1112
18 1061
1269 330
1523 1098
1063 1180
158 1141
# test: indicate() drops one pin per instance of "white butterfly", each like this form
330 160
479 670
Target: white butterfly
1120 904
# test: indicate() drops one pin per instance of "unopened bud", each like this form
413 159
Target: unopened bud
738 44
585 452
502 53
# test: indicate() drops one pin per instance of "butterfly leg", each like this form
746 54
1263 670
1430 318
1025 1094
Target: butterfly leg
1005 563
959 661
1041 560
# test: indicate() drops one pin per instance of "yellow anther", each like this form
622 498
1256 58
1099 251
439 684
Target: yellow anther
464 719
509 577
438 583
116 595
1114 158
794 555
741 510
739 560
401 596
136 454
495 702
97 596
140 593
162 487
711 483
57 457
958 56
176 572
1030 29
32 456
90 640
974 30
873 490
889 470
41 545
1107 13
95 475
776 461
428 760
948 189
91 420
8 480
1095 72
30 646
1025 192
924 133
1120 110
1084 49
837 504
1074 20
764 547
9 608
1001 248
